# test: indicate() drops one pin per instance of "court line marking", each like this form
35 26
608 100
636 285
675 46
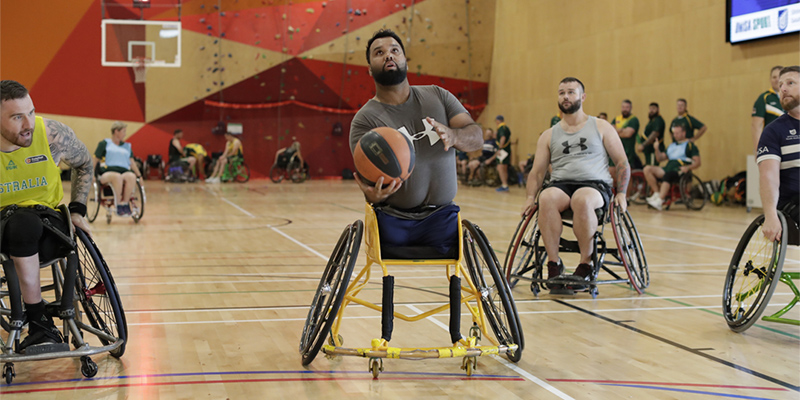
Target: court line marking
613 382
508 365
683 347
672 389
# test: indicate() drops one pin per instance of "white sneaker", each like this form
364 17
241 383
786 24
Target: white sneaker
212 180
655 202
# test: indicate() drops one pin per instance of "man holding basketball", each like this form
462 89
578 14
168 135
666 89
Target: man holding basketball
578 148
419 211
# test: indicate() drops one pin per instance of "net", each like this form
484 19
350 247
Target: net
140 69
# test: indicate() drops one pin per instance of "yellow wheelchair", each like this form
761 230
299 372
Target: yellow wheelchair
84 296
475 283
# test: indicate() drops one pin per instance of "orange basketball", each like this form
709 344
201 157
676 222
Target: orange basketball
384 152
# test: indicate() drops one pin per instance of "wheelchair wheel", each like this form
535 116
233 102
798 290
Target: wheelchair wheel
93 201
137 202
97 293
751 279
330 292
277 173
522 250
241 173
637 189
630 250
498 304
693 192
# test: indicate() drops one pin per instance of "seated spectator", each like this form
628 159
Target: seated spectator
117 166
488 156
233 149
683 157
177 153
197 151
462 161
284 155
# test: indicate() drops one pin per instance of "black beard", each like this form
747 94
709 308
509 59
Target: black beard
572 109
652 115
390 77
625 115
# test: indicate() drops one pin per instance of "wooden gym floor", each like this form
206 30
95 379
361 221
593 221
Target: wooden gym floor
216 281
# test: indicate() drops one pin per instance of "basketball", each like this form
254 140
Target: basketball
384 152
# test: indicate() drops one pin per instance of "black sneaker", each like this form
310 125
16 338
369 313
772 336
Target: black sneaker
43 337
555 270
582 275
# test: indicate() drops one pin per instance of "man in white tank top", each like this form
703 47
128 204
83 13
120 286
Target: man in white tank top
578 148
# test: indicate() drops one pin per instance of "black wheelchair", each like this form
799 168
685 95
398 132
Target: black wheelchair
475 281
756 264
84 296
288 168
526 254
154 163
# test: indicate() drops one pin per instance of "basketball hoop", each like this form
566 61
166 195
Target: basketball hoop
140 69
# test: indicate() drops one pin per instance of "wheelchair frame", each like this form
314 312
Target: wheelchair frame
485 313
638 191
748 288
293 170
629 254
98 198
94 285
235 170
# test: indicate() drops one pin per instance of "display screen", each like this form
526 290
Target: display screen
757 19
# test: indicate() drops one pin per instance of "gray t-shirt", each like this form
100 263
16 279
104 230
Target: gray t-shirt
579 156
433 181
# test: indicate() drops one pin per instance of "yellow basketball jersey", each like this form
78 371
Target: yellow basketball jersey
28 175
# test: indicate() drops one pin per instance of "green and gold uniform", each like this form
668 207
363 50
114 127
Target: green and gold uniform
768 106
30 176
556 119
656 124
504 132
629 144
690 124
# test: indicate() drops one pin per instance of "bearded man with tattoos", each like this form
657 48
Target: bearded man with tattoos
31 149
578 148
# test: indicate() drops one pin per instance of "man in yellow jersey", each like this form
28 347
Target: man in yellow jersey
31 148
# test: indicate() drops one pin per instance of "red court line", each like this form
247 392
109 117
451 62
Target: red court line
367 378
232 257
668 384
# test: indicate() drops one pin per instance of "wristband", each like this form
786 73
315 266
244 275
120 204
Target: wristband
77 208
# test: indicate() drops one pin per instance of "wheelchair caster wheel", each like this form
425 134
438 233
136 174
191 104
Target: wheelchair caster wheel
8 373
108 218
88 367
332 343
535 289
475 331
470 364
594 292
376 367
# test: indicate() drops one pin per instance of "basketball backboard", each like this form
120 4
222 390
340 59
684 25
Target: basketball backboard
124 40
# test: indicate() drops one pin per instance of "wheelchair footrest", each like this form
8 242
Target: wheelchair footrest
417 353
46 348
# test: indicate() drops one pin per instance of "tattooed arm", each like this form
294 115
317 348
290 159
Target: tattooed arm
65 146
616 152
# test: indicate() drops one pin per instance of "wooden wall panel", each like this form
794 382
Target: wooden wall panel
655 50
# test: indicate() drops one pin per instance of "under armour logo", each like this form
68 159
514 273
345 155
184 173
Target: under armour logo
581 144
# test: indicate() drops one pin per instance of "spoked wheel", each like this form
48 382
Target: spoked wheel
137 202
693 192
630 250
521 251
330 292
97 293
498 305
637 189
242 173
93 202
277 173
750 281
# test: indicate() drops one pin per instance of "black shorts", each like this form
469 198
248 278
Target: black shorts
23 233
570 187
671 176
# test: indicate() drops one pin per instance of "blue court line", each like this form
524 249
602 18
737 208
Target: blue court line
735 396
250 373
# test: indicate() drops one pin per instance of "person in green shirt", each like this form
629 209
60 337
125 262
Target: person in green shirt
504 144
682 156
653 132
556 119
689 122
767 107
627 126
